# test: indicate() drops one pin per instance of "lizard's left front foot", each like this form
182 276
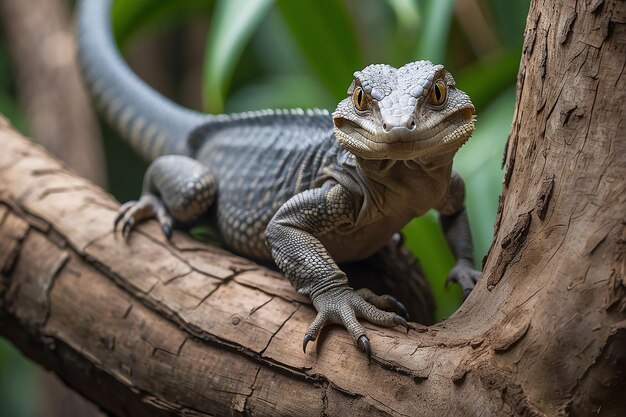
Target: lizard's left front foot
465 275
343 306
148 207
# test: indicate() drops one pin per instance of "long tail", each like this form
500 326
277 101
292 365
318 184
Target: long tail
150 122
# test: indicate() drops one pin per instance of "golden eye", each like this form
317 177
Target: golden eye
438 93
359 99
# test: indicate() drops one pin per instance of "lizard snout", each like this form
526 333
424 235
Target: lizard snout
399 126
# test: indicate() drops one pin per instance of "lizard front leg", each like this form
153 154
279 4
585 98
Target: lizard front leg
291 236
175 188
455 225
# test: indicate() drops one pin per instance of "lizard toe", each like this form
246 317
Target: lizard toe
384 302
134 212
368 311
402 322
466 284
466 278
129 223
124 208
314 329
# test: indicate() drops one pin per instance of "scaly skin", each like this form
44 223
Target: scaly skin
303 188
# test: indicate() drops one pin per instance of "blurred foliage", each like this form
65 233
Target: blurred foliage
285 53
18 383
131 17
232 24
8 102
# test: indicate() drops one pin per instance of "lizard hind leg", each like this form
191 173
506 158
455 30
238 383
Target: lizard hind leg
175 189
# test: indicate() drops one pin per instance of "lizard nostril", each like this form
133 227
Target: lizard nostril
412 124
385 127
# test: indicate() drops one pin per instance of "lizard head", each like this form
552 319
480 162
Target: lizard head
403 113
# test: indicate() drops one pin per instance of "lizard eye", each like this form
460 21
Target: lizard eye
359 99
439 93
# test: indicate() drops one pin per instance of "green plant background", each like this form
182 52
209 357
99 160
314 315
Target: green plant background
287 53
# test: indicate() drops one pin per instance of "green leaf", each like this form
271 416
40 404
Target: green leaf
278 92
132 16
12 111
485 79
326 36
232 25
509 18
433 35
127 16
19 383
425 239
407 14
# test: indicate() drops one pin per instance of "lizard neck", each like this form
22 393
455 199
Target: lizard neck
404 173
407 188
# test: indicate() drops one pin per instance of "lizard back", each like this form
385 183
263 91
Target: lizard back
258 167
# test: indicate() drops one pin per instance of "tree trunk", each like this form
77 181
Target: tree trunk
151 328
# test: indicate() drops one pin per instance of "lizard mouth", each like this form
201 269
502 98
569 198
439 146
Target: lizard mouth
371 143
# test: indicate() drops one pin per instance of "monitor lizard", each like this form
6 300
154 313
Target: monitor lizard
306 189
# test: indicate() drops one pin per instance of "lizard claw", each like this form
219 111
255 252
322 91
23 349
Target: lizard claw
167 230
466 292
307 338
128 227
121 212
402 322
398 307
364 345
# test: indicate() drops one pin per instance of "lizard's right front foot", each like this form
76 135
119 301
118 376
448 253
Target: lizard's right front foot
148 207
464 274
343 305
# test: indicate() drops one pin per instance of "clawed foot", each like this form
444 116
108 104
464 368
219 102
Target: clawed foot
344 306
134 212
465 275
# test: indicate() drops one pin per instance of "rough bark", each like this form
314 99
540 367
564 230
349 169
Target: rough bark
54 100
148 328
